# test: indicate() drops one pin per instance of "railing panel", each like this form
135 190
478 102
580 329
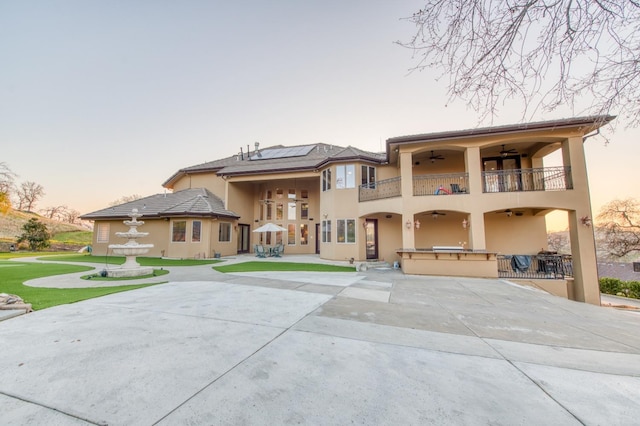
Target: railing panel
441 184
541 266
387 188
540 179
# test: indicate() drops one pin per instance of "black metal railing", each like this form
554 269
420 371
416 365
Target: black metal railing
441 184
537 266
387 188
541 179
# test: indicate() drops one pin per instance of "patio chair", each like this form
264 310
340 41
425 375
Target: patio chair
276 251
455 189
260 252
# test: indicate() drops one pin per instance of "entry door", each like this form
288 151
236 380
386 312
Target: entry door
371 232
502 174
243 238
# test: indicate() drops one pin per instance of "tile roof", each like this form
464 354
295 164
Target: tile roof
318 155
188 202
591 122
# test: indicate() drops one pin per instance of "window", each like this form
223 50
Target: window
279 193
304 211
269 211
345 176
291 205
346 230
196 231
326 231
179 231
368 177
279 211
279 235
102 233
291 234
224 232
326 180
304 234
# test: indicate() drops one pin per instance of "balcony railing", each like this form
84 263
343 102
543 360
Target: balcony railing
387 188
541 179
540 266
442 184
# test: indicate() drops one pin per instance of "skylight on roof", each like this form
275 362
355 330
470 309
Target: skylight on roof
271 153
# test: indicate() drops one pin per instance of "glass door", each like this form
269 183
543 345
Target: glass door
371 237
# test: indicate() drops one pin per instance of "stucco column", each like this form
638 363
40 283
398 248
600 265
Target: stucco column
477 238
583 248
406 185
473 163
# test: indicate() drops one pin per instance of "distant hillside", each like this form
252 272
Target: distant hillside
12 222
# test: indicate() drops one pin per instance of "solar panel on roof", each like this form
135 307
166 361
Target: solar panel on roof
296 151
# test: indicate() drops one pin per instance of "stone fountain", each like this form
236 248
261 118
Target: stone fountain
131 249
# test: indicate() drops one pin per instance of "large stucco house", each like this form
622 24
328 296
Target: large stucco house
459 203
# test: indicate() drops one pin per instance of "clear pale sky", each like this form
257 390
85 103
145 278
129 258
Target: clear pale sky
99 100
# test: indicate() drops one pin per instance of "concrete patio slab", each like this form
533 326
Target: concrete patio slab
212 348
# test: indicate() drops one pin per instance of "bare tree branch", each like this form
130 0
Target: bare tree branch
545 53
620 227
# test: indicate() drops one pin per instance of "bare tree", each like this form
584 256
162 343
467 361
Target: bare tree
29 194
620 227
7 178
54 212
125 199
545 53
71 216
558 241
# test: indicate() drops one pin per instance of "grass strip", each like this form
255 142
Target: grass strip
119 260
14 274
282 266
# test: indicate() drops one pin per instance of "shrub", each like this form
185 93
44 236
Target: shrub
610 285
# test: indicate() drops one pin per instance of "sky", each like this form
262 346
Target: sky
100 100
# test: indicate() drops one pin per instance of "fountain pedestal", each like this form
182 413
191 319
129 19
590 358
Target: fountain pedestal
131 249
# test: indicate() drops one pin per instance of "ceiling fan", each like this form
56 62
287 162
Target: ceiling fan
506 152
434 157
435 214
510 212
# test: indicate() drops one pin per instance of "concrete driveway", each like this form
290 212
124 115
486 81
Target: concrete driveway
374 347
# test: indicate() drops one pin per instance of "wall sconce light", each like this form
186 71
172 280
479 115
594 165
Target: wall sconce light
324 215
256 221
434 215
408 224
586 221
508 212
465 223
417 224
364 224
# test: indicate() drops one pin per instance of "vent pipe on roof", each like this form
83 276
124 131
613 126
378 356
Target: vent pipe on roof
248 153
241 154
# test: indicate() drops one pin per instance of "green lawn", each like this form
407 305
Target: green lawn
143 261
13 274
282 266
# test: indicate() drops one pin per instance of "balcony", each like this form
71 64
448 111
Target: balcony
381 189
442 184
516 180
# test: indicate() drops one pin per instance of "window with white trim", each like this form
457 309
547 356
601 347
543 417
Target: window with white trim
179 231
326 180
326 231
345 176
346 231
368 177
102 233
196 231
224 232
